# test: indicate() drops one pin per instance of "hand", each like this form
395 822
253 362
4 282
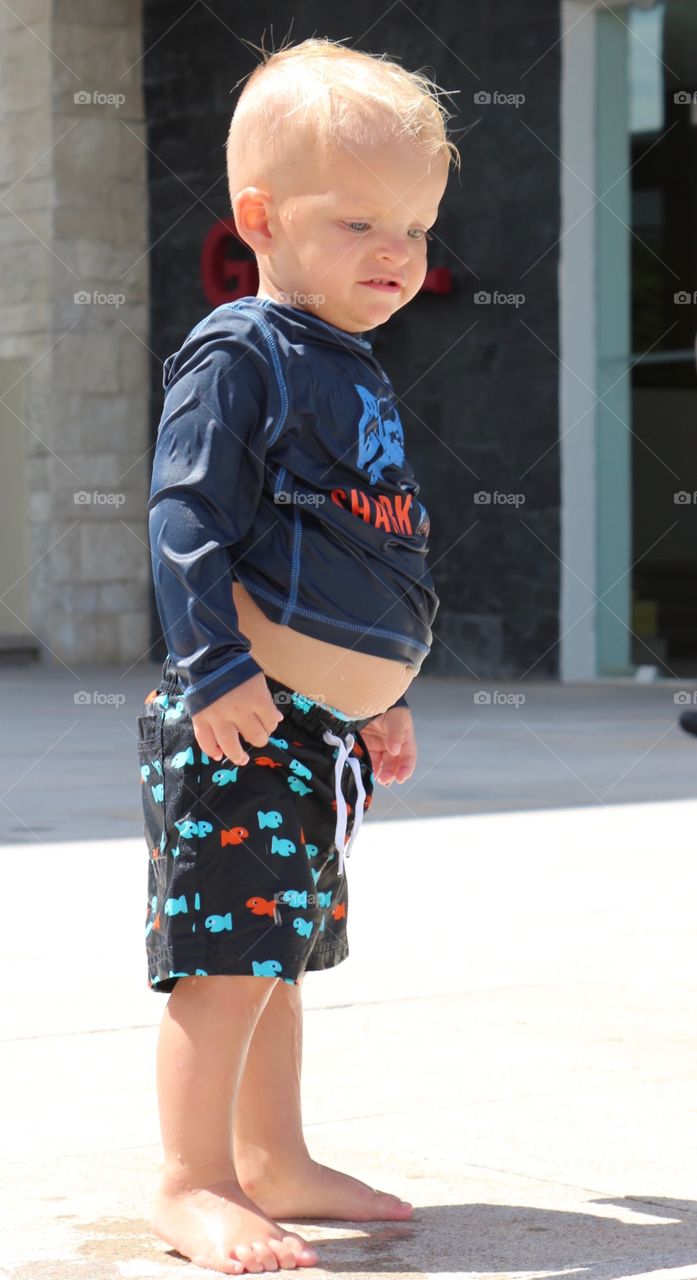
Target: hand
391 742
249 710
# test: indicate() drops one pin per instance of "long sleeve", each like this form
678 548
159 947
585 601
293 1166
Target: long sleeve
207 479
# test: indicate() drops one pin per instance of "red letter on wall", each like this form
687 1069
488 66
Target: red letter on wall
223 277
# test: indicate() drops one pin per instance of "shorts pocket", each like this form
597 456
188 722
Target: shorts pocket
150 757
187 769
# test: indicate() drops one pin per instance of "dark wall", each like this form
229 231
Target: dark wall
477 383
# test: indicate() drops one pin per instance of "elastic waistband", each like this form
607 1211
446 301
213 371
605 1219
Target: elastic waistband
300 710
307 713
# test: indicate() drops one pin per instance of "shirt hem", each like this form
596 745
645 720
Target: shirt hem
380 643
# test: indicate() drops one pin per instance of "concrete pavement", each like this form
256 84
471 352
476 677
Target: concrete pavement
612 742
511 1044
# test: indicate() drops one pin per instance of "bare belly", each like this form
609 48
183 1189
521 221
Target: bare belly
358 684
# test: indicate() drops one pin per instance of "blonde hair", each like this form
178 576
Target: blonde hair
320 94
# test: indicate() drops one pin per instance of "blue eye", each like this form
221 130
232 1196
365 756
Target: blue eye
421 235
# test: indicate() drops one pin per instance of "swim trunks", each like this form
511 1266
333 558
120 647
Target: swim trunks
246 862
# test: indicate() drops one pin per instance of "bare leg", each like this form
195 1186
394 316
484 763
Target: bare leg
201 1208
273 1163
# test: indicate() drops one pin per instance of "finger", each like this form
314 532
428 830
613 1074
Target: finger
388 769
255 731
208 742
407 761
279 701
402 766
273 719
376 759
394 733
232 746
404 772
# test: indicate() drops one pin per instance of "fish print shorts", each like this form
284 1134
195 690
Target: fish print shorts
246 862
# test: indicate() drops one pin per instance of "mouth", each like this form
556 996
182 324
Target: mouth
385 283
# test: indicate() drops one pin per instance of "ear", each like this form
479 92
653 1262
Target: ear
251 207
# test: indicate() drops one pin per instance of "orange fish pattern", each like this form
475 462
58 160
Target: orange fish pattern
236 835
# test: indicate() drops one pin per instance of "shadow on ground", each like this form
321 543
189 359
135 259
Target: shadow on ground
479 1239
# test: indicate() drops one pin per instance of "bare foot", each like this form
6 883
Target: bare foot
307 1189
218 1226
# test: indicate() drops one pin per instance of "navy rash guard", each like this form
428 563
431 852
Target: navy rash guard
280 462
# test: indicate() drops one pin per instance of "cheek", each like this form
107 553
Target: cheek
340 256
415 279
419 268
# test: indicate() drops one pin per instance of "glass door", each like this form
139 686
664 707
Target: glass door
646 325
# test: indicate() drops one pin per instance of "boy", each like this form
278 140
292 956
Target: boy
288 554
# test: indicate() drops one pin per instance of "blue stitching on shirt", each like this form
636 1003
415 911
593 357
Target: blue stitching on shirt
295 569
193 688
365 342
322 617
275 361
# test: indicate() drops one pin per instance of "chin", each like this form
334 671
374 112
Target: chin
385 313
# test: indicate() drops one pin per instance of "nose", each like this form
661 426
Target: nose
393 250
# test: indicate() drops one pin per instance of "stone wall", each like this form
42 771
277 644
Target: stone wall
74 312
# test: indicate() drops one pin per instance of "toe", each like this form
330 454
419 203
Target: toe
257 1257
305 1255
248 1257
228 1266
265 1255
284 1252
402 1208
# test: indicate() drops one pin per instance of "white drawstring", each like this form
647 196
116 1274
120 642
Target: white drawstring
341 812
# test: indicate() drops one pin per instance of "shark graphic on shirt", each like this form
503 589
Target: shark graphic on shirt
380 439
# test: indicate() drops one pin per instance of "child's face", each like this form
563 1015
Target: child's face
358 215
